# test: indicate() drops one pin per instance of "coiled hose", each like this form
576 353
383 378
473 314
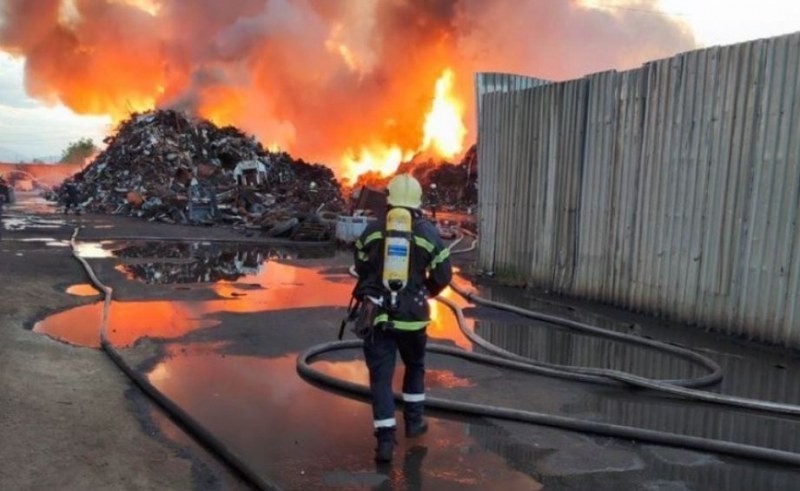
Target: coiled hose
503 358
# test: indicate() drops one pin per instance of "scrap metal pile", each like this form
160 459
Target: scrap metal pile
446 186
163 166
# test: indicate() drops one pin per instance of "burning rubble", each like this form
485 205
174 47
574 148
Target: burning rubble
163 166
446 185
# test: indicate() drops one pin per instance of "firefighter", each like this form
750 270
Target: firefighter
433 200
72 197
398 300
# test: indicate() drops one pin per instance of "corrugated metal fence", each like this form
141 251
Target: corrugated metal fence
672 189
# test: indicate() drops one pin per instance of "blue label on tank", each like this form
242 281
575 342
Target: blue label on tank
397 250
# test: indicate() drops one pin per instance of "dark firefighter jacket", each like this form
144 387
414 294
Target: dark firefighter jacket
429 273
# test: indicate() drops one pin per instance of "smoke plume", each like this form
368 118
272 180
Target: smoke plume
315 77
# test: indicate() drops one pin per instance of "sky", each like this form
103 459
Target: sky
33 128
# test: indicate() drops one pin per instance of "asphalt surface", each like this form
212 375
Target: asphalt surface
217 327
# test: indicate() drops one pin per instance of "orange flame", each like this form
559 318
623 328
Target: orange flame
379 158
444 127
317 78
221 105
444 133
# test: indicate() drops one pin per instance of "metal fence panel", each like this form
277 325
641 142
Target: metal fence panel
672 189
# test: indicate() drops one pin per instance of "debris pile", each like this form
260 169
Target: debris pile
163 166
446 186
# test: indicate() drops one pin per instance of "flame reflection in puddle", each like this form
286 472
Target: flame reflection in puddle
93 250
307 438
282 286
127 323
82 290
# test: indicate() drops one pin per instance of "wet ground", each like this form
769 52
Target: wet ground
68 419
217 327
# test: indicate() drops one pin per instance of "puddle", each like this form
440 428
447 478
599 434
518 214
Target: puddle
280 286
546 342
128 322
82 290
34 203
282 428
235 354
94 250
44 240
26 222
204 262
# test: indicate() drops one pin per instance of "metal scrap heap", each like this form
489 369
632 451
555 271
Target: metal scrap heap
163 166
446 185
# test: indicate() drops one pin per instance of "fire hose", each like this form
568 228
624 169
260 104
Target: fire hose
501 358
174 411
506 359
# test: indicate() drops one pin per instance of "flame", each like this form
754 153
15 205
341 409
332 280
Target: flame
221 105
152 7
444 133
354 85
444 127
379 158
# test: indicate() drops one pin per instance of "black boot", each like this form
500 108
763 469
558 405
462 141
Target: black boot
385 449
416 424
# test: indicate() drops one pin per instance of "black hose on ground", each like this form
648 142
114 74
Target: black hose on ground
305 359
181 417
511 361
677 387
514 361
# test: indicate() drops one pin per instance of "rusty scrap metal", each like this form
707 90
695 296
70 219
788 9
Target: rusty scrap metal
164 166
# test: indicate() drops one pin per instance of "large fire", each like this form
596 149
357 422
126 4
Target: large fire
443 136
359 85
444 127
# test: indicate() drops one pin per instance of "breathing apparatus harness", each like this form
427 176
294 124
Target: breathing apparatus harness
395 268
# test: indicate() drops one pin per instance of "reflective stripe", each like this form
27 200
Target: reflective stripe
400 325
424 243
409 325
370 238
413 397
385 423
362 256
442 257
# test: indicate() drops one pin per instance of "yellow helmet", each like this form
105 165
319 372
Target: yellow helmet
404 191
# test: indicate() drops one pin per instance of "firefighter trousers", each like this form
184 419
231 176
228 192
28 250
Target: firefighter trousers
380 350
